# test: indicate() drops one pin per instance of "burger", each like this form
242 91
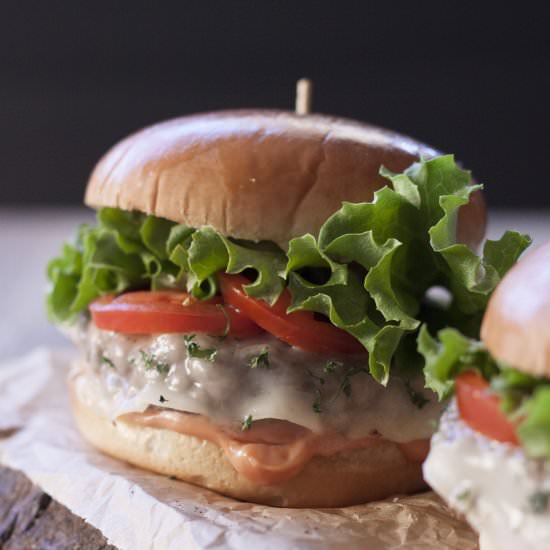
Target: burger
490 458
248 303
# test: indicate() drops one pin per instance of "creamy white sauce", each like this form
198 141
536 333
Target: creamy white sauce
491 483
228 390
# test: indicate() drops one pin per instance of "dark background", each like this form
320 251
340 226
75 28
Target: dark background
77 76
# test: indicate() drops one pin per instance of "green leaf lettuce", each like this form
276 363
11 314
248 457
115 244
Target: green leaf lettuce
384 256
369 270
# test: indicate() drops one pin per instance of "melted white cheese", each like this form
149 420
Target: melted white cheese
228 390
492 484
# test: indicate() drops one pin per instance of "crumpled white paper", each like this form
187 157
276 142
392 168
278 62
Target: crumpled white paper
138 510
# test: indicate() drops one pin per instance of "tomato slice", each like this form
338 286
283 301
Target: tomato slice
149 312
480 409
299 328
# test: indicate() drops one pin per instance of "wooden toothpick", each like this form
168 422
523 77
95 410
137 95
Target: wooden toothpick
304 90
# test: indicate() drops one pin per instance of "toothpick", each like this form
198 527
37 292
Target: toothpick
304 91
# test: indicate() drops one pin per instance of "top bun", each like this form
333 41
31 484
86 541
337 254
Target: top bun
257 175
516 326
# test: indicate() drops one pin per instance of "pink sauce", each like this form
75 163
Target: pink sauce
270 451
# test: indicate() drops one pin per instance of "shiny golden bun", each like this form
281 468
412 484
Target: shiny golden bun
257 175
516 326
340 480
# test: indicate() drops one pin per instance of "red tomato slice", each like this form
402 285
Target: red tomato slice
299 329
149 312
480 409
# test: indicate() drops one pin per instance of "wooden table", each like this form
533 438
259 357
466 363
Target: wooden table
29 518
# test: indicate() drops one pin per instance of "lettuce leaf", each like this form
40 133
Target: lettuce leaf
210 252
93 265
369 270
398 247
526 400
450 354
534 431
128 250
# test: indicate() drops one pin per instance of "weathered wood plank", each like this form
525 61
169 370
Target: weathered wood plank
30 519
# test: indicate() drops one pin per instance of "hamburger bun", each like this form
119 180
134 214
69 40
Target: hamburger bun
257 175
260 176
516 325
342 479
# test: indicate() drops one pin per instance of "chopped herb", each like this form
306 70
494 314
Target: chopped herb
316 406
107 361
194 350
260 360
332 366
538 502
344 381
163 399
345 386
464 495
418 399
434 424
151 363
319 378
247 422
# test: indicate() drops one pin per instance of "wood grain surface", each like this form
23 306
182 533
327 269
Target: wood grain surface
30 519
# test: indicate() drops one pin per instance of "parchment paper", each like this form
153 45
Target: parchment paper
138 510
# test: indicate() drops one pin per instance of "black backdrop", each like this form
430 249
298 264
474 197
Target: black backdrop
77 76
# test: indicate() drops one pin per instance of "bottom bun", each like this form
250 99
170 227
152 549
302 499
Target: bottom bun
343 479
